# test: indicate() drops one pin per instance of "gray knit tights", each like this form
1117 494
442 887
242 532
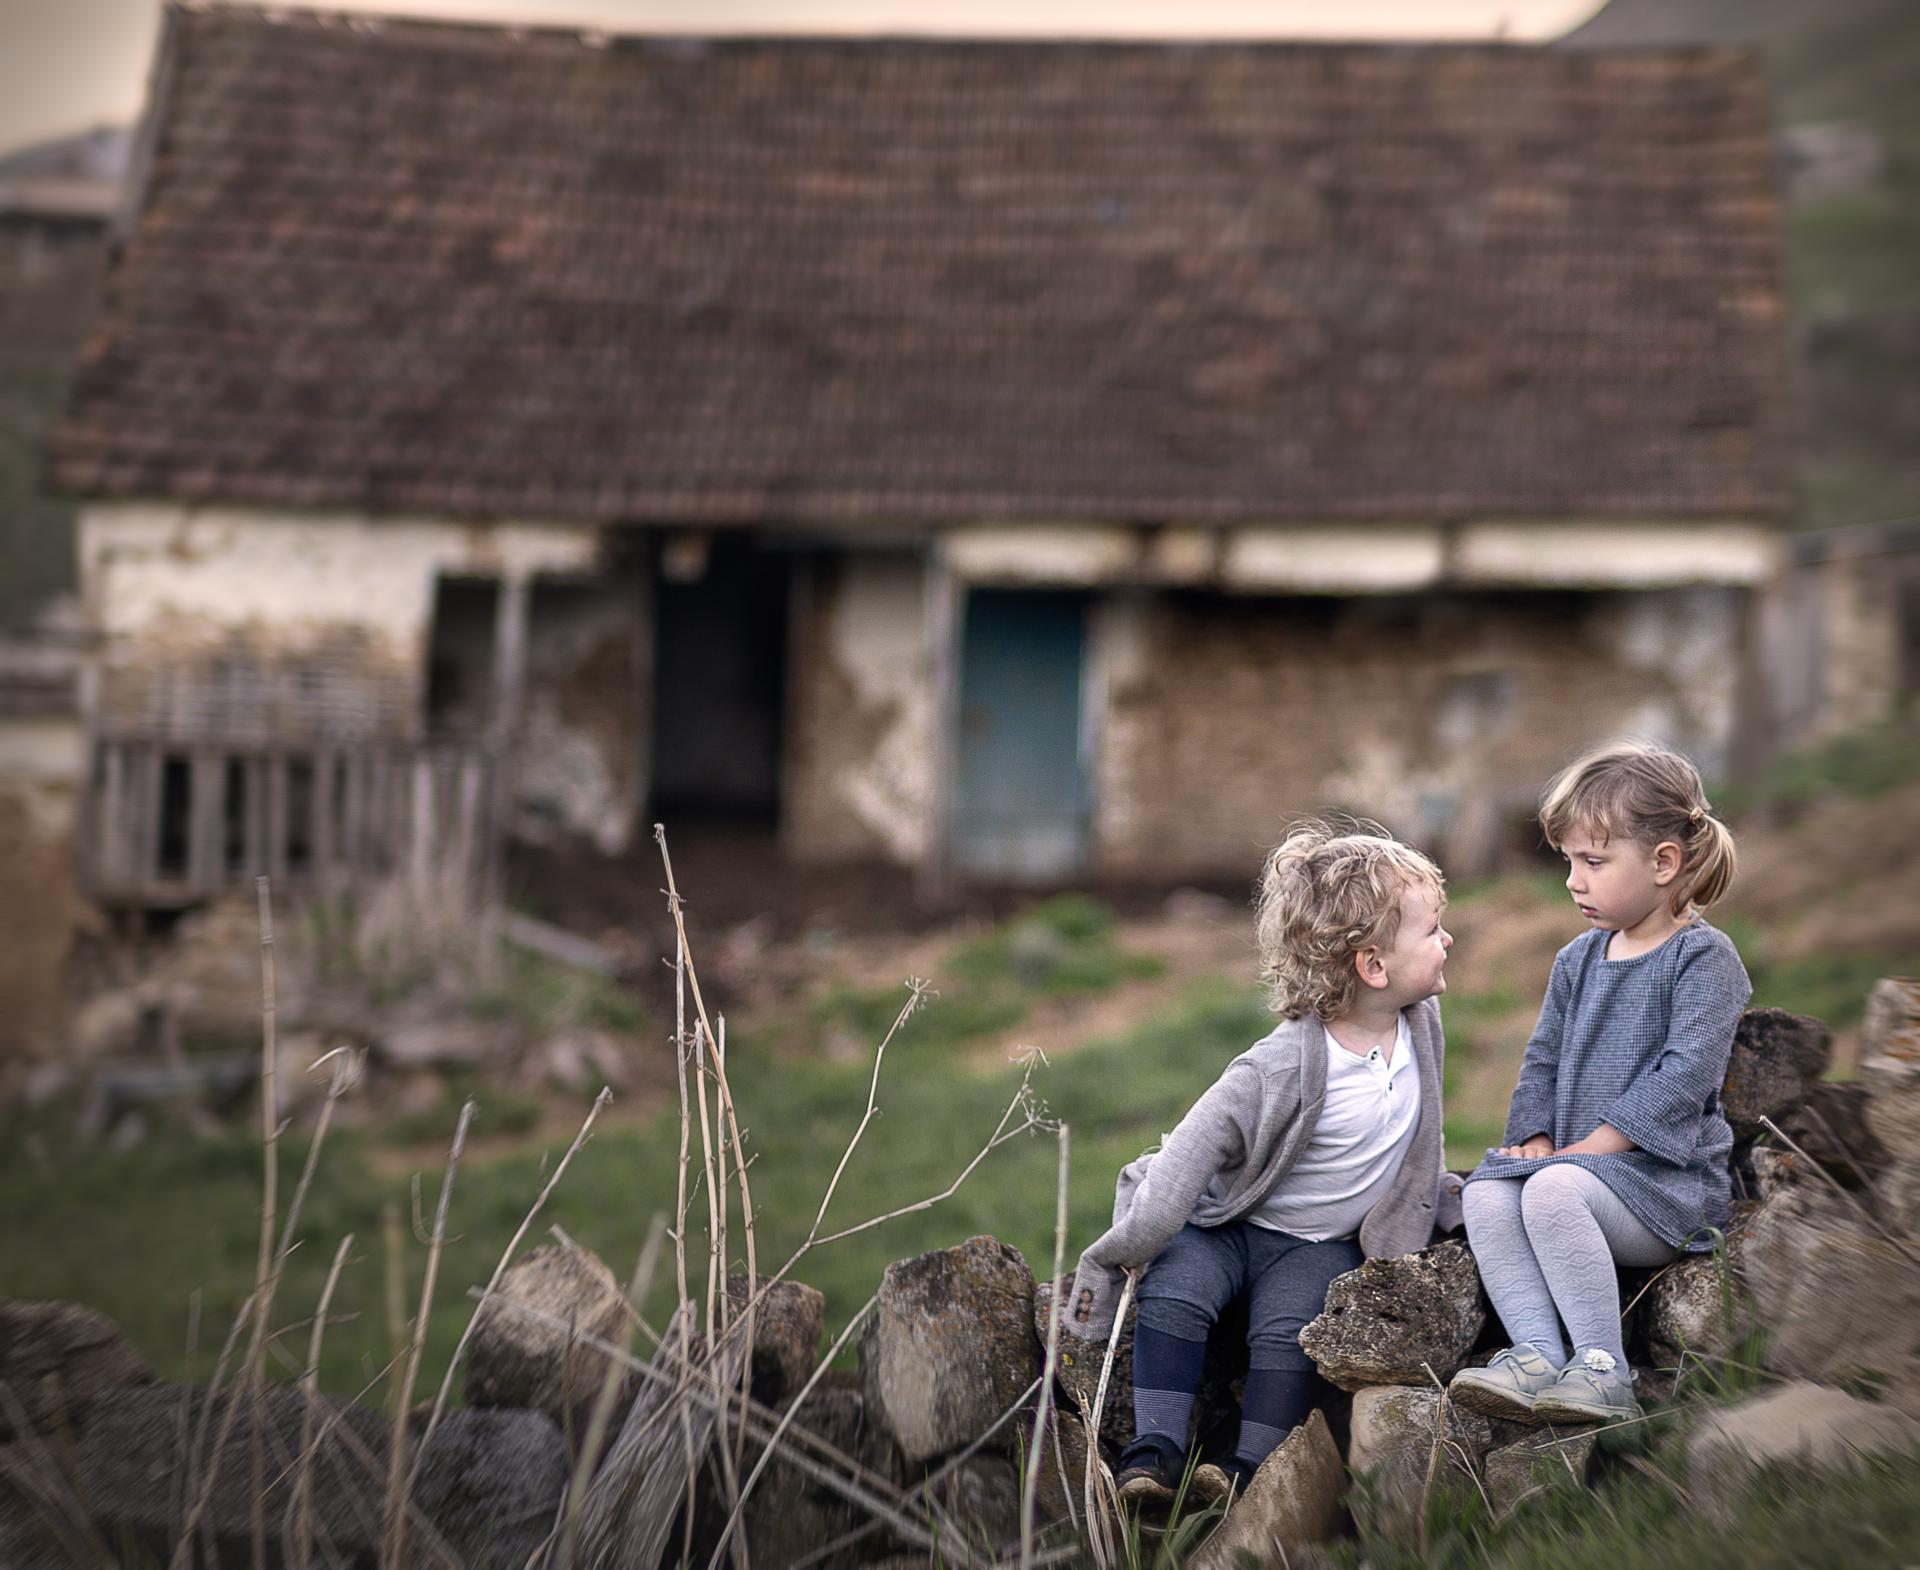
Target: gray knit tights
1550 1241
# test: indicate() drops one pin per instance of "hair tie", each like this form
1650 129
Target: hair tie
1696 816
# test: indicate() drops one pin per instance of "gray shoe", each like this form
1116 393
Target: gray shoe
1594 1388
1508 1386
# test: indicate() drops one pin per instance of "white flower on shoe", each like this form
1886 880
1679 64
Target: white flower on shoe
1599 1360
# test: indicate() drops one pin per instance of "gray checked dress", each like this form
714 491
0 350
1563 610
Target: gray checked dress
1640 1044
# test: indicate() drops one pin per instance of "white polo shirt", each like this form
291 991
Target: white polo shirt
1365 1127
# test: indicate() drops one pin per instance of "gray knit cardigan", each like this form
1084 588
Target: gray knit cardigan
1240 1138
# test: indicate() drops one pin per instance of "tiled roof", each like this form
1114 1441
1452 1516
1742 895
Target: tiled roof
425 268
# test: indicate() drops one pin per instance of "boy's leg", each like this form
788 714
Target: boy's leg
1290 1277
1182 1293
1579 1229
1509 1269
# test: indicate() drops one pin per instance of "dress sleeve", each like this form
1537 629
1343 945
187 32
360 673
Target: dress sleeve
1530 1111
1660 1111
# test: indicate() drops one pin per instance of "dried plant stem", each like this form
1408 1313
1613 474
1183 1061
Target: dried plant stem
1030 1491
595 1438
683 1302
301 1508
506 1258
869 1500
780 1429
1099 1522
264 1270
748 1315
393 1556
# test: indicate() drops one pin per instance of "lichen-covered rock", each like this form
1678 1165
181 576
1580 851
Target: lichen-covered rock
1831 1128
516 1359
1890 1073
1837 1297
1776 1056
1061 1495
949 1346
1395 1429
54 1359
1078 1374
981 1497
1405 1321
1292 1503
1546 1458
1697 1304
491 1481
787 1323
1806 1427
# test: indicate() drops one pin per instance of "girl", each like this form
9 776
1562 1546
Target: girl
1317 1147
1616 1147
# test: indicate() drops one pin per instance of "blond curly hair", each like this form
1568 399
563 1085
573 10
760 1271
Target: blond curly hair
1327 892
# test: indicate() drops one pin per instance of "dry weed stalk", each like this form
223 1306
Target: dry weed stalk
506 1258
1030 1491
1102 1501
393 1554
300 1510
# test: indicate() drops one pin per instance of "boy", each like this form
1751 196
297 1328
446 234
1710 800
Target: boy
1318 1147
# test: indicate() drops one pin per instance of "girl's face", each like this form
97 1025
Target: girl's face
1617 882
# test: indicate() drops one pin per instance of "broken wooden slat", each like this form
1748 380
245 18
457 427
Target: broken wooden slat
279 788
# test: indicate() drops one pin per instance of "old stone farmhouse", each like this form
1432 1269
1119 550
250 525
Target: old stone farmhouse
1004 460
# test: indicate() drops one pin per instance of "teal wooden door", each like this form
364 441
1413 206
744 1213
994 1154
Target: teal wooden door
1021 799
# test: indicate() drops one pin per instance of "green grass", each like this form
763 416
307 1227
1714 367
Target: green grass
1861 764
1867 1520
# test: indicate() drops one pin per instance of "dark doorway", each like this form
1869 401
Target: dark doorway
720 673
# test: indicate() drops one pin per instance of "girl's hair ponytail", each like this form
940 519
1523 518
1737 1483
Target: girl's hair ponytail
1651 794
1707 872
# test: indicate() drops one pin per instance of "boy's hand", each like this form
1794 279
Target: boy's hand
1540 1145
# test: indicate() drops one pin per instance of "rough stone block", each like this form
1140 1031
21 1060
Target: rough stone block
1292 1503
517 1360
786 1335
1395 1429
1406 1321
1697 1305
1776 1056
54 1359
950 1345
1838 1297
1806 1426
1890 1072
1547 1458
1831 1128
1078 1374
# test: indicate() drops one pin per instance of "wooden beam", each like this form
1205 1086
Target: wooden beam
934 884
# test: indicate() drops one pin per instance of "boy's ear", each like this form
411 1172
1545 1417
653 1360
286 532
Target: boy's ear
1371 964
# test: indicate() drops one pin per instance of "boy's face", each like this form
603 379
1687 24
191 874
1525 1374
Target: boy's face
1415 965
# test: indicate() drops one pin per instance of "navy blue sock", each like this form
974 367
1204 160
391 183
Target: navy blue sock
1166 1373
1277 1400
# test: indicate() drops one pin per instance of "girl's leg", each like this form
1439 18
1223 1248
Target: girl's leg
1509 1267
1181 1295
1289 1285
1579 1229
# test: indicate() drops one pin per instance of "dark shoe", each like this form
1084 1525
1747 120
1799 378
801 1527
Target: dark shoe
1150 1471
1218 1480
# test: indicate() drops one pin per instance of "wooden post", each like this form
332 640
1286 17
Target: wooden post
206 865
509 690
421 824
320 804
278 815
354 818
471 803
943 630
151 776
109 867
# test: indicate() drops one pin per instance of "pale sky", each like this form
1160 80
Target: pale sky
67 65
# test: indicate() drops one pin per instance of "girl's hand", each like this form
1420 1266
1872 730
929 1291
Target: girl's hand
1540 1145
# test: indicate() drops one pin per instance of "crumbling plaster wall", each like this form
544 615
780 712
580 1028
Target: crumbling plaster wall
1440 714
222 618
860 740
40 763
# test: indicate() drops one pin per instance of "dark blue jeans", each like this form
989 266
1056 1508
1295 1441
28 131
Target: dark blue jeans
1283 1278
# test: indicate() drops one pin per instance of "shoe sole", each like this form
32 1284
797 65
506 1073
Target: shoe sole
1546 1411
1489 1402
1145 1491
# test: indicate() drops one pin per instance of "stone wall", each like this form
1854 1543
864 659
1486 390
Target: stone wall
1441 714
858 780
